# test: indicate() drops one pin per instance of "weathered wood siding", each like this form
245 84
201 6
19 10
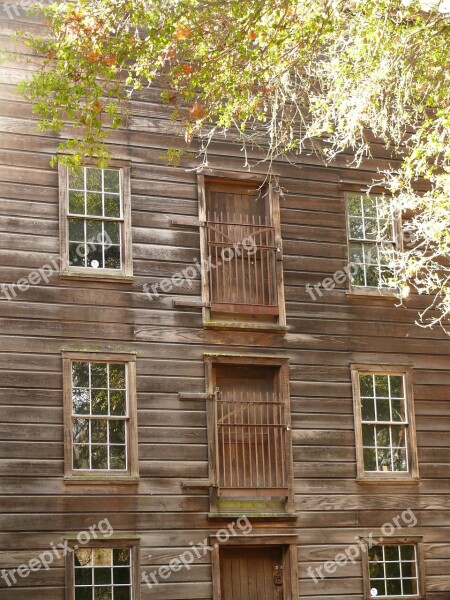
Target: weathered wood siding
324 338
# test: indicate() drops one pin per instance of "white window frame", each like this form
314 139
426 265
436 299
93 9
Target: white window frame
126 271
130 418
395 243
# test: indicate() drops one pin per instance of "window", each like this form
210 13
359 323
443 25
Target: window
250 432
384 424
241 247
95 222
393 570
103 570
372 234
100 415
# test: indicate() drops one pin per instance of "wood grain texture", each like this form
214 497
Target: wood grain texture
324 338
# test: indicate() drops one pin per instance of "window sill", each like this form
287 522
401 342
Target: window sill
233 326
377 293
98 480
97 276
389 480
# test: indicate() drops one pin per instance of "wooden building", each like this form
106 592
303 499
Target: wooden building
201 386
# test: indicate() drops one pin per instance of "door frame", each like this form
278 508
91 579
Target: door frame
288 544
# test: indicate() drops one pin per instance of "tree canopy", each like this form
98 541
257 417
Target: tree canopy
280 75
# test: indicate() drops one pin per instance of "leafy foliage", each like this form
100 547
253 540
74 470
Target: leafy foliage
279 75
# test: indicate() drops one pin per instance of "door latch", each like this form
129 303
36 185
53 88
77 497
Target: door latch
278 575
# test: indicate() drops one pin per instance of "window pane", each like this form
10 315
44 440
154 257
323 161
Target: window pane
383 437
368 435
83 557
80 456
354 205
372 276
117 376
394 587
117 457
99 402
99 375
410 586
356 253
370 206
99 431
76 203
76 178
112 233
80 401
81 431
102 593
93 179
397 386
80 374
366 385
384 460
383 410
122 575
357 274
370 461
117 403
117 432
83 593
391 553
398 410
112 180
356 228
382 386
112 205
367 409
400 460
76 230
376 553
122 593
392 569
94 258
102 576
102 557
94 232
77 253
112 257
407 552
377 588
99 456
398 436
371 229
94 203
376 570
121 556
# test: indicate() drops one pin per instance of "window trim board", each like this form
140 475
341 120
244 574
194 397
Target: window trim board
131 475
125 274
417 541
120 541
410 476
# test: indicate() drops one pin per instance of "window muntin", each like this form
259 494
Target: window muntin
103 574
384 422
99 416
371 230
95 217
393 570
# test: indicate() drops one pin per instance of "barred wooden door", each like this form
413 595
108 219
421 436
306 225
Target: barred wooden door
251 429
241 253
251 574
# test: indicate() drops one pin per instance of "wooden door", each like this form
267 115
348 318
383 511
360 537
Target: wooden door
252 573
